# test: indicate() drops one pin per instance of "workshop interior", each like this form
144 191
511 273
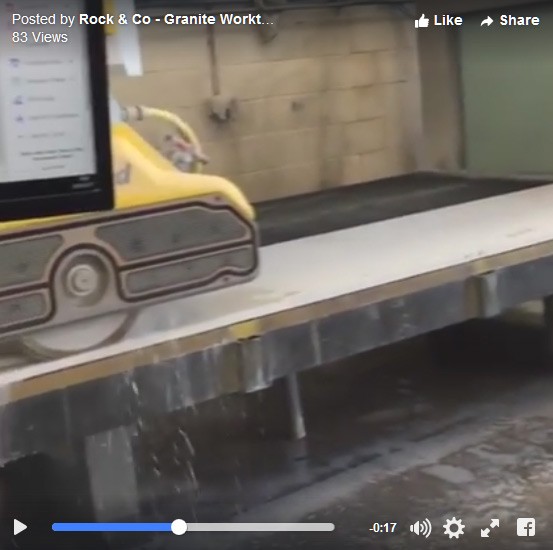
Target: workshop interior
276 272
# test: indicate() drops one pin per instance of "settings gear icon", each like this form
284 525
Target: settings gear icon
454 528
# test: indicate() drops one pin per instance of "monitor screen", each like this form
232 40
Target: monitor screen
54 123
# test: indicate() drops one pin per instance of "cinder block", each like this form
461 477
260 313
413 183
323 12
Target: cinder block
395 132
207 128
294 112
364 136
289 42
278 114
370 101
406 35
300 146
396 95
164 89
223 158
351 71
330 37
270 151
297 179
237 46
292 32
280 182
370 166
152 131
257 153
371 37
331 172
352 170
340 106
393 93
361 103
309 41
400 160
166 48
257 186
250 118
392 66
332 138
259 80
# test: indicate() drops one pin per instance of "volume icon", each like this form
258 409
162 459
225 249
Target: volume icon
423 528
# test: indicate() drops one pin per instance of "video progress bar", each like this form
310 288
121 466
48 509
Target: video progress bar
179 527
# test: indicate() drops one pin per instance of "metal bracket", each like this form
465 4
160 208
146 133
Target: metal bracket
489 303
253 372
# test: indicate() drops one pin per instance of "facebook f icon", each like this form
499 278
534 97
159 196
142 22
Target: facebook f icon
526 527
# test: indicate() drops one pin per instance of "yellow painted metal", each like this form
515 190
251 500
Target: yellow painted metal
246 330
110 9
153 179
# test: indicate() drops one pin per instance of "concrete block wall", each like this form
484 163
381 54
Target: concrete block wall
320 98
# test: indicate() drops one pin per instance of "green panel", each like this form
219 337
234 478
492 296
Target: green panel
507 79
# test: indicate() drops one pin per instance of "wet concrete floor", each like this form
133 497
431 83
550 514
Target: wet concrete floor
458 424
461 428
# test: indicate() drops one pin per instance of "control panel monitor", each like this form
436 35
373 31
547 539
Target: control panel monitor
54 111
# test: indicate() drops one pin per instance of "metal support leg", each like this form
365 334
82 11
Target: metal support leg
296 409
111 472
548 323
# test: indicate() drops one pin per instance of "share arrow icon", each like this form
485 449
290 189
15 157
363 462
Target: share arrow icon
488 21
485 533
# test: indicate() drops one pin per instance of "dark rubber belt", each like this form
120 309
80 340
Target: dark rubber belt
339 208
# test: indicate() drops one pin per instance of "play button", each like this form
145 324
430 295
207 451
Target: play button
18 527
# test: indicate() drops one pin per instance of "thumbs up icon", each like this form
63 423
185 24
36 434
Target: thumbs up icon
422 21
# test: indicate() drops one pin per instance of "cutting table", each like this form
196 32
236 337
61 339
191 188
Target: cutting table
323 294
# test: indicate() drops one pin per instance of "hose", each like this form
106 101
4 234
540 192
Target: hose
137 113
